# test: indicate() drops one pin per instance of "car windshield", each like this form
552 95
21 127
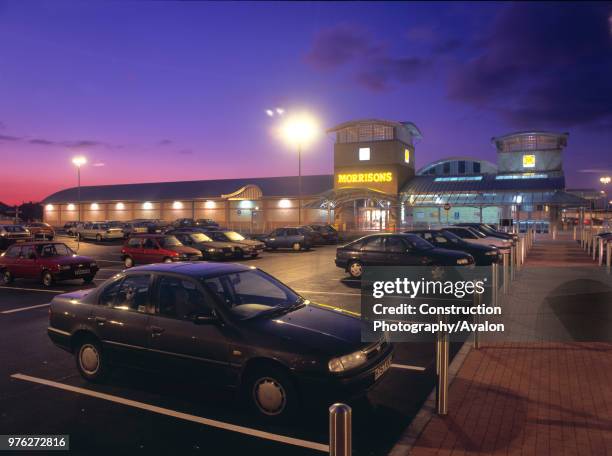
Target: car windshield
463 233
478 233
419 243
53 250
253 293
169 241
233 236
103 226
199 237
451 237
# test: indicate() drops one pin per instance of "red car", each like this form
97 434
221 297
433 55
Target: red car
156 248
47 261
40 230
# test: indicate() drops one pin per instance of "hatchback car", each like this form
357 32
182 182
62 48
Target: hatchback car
484 255
47 261
156 248
395 250
211 249
327 232
10 234
99 231
40 230
226 324
244 247
289 238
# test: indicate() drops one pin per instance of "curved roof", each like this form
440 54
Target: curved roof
529 133
189 190
453 159
414 131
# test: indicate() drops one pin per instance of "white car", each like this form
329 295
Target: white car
477 237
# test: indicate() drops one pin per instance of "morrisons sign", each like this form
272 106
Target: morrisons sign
361 178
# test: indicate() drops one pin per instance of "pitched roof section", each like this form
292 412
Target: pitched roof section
188 190
443 184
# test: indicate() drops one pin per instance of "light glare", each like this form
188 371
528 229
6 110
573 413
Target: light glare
79 161
299 129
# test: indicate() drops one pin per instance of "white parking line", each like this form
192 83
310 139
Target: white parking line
21 309
328 293
408 367
180 415
42 290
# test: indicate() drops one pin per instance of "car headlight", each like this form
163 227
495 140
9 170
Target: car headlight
346 362
463 261
211 250
491 252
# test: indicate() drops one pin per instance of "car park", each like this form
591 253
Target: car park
244 247
295 238
210 249
40 230
474 236
220 323
156 248
395 250
46 261
327 232
484 255
10 234
99 231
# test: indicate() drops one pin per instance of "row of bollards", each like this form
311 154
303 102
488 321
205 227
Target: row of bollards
595 246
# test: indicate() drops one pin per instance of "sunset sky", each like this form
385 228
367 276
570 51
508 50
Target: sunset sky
164 91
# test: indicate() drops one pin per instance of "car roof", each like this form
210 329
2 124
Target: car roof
143 235
194 269
21 244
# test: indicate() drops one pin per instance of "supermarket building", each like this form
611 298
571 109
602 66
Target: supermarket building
374 186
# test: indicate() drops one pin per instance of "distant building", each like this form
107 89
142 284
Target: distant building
374 186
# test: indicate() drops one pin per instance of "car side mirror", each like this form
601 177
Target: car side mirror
204 319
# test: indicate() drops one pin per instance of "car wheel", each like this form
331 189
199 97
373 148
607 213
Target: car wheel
167 260
7 277
128 262
272 394
355 269
296 246
88 279
98 238
89 360
47 279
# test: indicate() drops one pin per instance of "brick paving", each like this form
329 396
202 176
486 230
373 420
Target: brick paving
529 398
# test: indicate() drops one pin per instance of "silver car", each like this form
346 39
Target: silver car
100 231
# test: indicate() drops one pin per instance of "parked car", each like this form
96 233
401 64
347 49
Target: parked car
244 247
471 235
395 250
295 238
489 230
99 231
40 230
130 228
9 234
156 248
210 249
327 232
316 237
184 222
484 255
70 228
47 261
219 323
207 223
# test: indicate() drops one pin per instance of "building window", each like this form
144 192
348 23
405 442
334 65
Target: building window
476 167
407 155
364 153
446 168
461 166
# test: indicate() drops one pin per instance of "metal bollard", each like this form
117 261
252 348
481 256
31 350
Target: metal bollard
574 234
506 272
495 284
442 385
512 262
594 247
601 251
340 430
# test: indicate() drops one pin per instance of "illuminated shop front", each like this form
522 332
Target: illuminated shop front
374 186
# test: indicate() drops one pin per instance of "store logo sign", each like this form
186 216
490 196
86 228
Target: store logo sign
529 161
365 178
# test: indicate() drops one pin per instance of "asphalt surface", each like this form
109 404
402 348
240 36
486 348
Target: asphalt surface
113 424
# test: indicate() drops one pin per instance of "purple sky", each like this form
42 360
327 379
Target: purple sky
153 91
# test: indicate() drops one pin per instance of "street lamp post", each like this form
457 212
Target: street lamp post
78 162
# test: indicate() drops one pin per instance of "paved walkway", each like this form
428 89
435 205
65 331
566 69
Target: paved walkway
529 398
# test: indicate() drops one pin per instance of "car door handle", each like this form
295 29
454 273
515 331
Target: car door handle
100 320
156 330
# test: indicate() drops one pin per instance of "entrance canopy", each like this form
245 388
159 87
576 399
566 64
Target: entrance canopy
340 196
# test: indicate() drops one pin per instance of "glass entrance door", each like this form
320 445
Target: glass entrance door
373 219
